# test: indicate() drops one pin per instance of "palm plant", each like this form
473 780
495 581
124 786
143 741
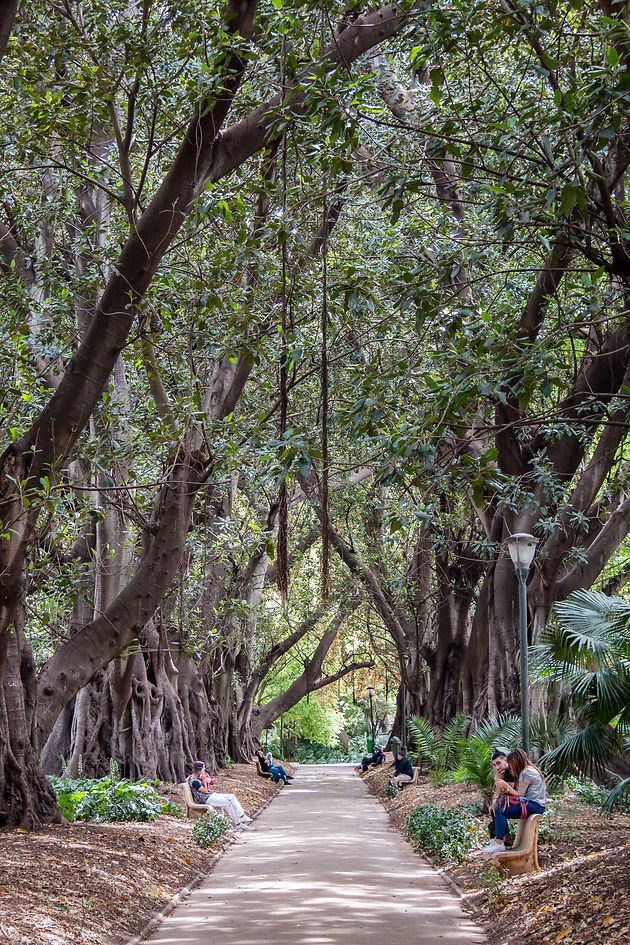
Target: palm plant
587 648
424 739
438 750
547 733
473 763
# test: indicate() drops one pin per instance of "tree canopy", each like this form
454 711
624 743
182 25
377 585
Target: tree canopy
305 309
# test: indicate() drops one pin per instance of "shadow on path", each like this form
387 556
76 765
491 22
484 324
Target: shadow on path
321 866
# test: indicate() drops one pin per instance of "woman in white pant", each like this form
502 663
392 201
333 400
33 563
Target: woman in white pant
201 785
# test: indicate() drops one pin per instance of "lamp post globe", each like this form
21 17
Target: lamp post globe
522 548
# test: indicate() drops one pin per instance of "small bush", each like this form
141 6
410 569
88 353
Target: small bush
492 879
391 791
106 800
438 777
448 834
210 828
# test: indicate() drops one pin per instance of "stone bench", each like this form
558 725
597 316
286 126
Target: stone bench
523 856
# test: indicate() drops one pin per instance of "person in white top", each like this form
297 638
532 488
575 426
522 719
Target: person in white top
517 801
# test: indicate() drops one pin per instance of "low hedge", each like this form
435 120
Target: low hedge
448 834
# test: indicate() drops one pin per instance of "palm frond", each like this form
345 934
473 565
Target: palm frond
618 796
586 751
423 738
451 741
549 733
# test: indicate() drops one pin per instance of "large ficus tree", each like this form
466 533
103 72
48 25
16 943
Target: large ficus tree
499 402
114 114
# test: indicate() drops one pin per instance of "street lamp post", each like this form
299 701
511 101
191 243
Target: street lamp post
370 690
522 548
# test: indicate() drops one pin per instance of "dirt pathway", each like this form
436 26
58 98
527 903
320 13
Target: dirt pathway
321 866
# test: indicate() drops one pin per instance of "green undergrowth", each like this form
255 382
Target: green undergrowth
448 834
108 800
210 829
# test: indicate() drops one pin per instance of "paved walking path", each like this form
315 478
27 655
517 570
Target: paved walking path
322 865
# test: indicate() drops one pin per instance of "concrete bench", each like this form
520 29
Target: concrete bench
523 857
414 780
193 809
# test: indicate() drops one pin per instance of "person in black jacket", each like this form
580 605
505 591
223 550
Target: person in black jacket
403 769
377 758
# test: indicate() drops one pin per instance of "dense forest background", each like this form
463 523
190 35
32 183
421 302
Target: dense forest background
305 309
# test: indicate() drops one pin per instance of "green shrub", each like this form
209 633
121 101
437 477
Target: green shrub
391 791
492 879
108 800
438 777
589 792
210 828
447 833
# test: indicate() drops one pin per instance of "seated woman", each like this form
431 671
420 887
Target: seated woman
276 771
202 787
517 802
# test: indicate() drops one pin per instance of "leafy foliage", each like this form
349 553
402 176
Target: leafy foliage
106 799
587 647
313 753
210 828
447 833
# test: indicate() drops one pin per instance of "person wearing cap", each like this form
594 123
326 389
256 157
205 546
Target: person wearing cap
202 787
403 769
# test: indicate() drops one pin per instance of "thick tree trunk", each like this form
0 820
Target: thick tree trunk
26 797
149 712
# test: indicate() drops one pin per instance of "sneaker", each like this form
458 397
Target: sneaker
246 820
493 848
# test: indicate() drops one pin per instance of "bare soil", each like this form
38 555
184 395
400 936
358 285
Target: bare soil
101 883
581 896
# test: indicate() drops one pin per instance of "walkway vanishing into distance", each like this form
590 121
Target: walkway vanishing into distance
322 865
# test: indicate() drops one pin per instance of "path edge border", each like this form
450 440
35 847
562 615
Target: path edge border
155 921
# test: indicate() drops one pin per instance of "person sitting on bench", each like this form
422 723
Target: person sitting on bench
276 771
501 772
377 758
528 797
201 786
403 769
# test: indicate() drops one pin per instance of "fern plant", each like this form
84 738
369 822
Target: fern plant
438 750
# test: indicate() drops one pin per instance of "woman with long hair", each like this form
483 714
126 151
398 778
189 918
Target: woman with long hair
527 796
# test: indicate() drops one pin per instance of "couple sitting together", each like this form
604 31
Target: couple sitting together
521 792
202 788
